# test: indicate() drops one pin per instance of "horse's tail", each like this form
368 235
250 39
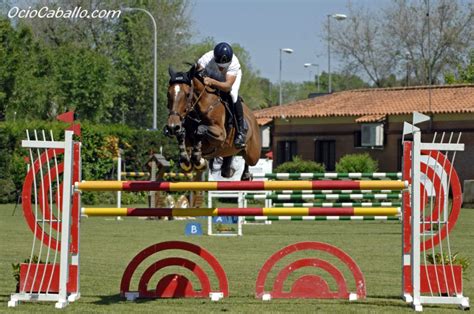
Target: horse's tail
254 141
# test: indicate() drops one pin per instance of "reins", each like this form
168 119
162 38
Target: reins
195 102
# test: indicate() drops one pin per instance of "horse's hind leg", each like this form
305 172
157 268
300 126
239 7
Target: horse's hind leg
226 168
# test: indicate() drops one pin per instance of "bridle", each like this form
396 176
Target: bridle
190 104
188 108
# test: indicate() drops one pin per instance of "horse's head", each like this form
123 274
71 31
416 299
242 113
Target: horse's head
180 93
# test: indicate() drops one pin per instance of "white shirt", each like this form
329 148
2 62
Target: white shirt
207 61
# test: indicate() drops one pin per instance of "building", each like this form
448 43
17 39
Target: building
328 127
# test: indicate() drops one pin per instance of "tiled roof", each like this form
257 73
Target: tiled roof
376 103
263 121
372 118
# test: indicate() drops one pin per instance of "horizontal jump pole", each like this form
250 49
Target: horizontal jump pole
333 191
328 175
134 174
299 197
270 211
178 175
339 204
138 186
320 218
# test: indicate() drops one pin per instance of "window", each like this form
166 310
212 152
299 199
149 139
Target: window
285 151
325 153
372 135
266 137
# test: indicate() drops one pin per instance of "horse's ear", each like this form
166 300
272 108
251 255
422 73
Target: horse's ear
192 71
171 71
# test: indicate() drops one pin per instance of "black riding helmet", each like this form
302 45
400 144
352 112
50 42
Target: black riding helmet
223 53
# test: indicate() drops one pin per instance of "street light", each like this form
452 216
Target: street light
407 59
287 50
337 17
308 65
155 69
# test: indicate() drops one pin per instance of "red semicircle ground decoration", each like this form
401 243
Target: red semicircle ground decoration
456 191
453 215
311 286
33 213
173 285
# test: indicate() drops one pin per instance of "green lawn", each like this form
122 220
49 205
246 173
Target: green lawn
108 245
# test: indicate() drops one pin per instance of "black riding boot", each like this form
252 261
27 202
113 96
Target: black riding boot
239 138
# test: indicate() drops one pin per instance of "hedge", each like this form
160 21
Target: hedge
100 145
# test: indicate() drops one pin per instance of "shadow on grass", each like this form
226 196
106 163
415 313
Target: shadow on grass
387 297
117 299
5 297
397 301
109 299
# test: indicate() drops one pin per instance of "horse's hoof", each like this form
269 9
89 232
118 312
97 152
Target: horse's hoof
185 166
201 165
246 177
228 174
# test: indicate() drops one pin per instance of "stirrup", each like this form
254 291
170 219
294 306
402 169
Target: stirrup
239 141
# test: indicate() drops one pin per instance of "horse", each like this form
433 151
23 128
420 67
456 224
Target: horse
201 119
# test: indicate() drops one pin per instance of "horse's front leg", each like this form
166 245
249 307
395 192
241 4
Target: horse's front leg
199 163
246 176
184 161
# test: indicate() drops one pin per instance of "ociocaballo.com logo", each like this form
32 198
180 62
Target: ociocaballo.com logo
59 13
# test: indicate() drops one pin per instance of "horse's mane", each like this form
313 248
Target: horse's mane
217 75
186 77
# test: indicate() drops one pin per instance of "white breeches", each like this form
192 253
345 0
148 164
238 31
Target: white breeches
234 92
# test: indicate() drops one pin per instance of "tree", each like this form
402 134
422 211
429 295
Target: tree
341 81
253 88
132 57
297 91
464 74
84 82
113 56
411 35
27 86
8 51
39 82
93 33
5 6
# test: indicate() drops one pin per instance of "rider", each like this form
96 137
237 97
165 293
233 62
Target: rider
223 60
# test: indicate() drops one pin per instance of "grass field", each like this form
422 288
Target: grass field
108 245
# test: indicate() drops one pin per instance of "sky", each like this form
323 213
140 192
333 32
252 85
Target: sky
262 27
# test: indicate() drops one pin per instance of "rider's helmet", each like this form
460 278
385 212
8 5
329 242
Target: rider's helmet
223 54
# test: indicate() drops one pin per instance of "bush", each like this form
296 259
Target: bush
99 148
8 191
357 163
298 165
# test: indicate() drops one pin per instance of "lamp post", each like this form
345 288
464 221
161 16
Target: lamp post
287 50
308 65
155 69
337 17
407 58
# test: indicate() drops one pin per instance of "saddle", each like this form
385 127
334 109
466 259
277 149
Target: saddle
230 120
227 102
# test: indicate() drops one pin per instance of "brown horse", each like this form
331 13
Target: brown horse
201 120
